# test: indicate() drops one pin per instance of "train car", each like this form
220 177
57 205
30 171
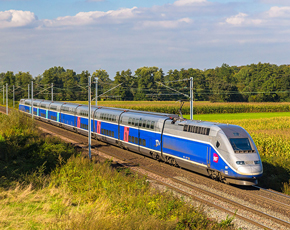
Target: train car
222 151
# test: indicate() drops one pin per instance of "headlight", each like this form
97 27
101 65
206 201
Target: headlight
257 162
240 162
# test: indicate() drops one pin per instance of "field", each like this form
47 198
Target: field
198 107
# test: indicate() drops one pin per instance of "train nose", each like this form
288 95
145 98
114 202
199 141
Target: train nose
250 169
256 169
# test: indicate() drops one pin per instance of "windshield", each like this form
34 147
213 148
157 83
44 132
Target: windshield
241 144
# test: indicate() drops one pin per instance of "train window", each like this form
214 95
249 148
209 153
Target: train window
53 107
208 130
130 138
113 134
185 128
133 121
136 122
152 124
130 121
144 123
136 140
110 132
148 124
198 130
241 144
102 131
144 142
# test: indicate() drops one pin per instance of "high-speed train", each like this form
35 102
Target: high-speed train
222 151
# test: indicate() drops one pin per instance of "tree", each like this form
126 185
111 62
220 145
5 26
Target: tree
104 82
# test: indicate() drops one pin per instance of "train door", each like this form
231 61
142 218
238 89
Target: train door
139 134
208 157
78 122
46 115
57 118
99 127
126 134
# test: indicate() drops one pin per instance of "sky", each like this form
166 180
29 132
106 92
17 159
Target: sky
117 35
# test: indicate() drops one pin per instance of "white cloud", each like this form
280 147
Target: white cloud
279 12
16 18
188 2
243 19
168 24
84 18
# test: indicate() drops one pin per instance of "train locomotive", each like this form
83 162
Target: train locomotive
222 151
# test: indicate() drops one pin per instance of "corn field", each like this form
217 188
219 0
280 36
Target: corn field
198 107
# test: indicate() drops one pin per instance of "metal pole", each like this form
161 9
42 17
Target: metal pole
28 91
7 98
191 98
32 99
96 91
51 91
13 96
89 128
3 94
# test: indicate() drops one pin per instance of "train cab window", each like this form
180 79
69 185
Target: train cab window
152 124
136 140
241 144
133 121
148 124
130 121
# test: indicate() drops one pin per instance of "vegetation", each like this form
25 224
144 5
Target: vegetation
251 83
42 189
198 107
25 153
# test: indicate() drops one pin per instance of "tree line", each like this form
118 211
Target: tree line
262 82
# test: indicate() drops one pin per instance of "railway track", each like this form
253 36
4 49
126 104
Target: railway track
265 219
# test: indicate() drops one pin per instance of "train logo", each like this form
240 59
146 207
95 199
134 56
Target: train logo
157 143
215 158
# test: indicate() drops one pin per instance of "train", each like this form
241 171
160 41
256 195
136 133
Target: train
223 152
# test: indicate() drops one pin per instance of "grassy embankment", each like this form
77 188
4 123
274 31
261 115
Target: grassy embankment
46 185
